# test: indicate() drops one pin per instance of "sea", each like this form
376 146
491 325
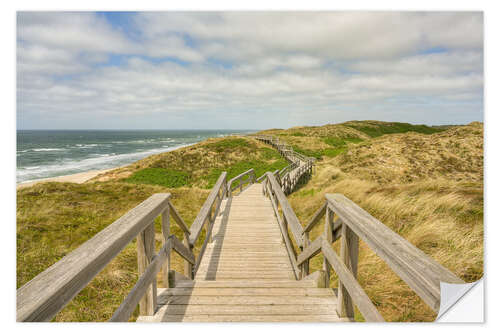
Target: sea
51 153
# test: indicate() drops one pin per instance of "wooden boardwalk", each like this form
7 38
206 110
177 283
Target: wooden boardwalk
246 274
253 264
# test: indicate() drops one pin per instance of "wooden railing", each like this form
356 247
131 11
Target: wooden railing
347 222
247 177
50 291
286 218
299 169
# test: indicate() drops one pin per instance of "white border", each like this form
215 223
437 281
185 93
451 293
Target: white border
7 21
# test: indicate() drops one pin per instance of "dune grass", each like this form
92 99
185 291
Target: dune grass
55 218
426 187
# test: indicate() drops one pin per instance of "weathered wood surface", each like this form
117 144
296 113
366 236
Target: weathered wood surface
418 270
356 292
178 219
300 166
316 218
125 310
313 249
43 297
247 177
205 210
292 220
145 253
235 238
246 273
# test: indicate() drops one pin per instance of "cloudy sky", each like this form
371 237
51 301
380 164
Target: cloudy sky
246 70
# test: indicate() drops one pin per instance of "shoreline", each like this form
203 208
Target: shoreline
82 177
78 178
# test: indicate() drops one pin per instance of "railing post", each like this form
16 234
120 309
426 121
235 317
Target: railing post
349 248
328 237
145 252
165 228
188 267
305 264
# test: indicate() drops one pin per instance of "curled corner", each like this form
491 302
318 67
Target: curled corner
452 294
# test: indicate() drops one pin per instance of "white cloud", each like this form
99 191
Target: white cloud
240 63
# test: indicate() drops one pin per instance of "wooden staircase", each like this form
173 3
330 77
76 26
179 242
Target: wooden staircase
246 274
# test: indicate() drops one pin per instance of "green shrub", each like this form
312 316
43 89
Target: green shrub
229 143
380 129
159 176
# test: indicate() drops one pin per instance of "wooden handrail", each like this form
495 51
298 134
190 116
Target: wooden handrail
179 220
418 270
288 212
127 307
250 180
205 210
356 292
45 295
299 165
422 273
316 218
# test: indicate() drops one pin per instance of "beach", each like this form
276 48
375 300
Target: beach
78 178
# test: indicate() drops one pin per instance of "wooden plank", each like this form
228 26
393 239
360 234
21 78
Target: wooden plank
127 307
316 218
318 277
313 249
288 212
278 309
251 176
183 251
175 277
246 300
358 295
178 219
44 296
145 253
286 283
165 228
349 248
288 245
209 233
270 291
244 318
419 271
202 216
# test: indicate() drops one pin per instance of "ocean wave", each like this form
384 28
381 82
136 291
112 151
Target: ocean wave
69 166
48 149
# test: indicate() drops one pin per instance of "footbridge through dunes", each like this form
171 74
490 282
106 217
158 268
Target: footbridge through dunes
253 264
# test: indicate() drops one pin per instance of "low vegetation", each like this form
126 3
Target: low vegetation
427 188
55 218
425 183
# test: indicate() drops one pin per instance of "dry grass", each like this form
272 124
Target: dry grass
426 187
439 209
55 218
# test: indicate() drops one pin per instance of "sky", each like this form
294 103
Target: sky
246 70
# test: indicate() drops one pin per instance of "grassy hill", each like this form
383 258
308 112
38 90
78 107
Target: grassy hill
55 218
426 183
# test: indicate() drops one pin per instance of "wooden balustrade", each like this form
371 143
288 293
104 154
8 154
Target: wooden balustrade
297 171
247 177
418 270
50 291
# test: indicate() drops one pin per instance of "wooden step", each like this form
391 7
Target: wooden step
243 318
